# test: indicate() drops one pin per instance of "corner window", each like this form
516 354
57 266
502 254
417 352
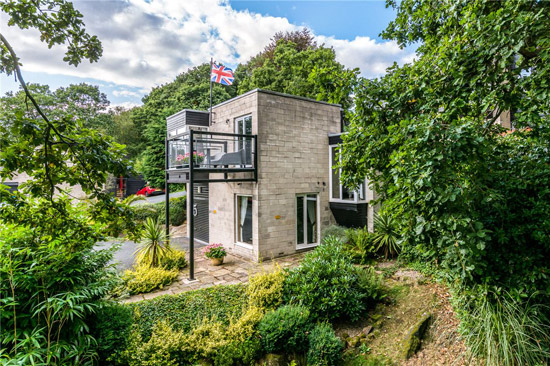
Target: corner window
307 220
339 192
244 219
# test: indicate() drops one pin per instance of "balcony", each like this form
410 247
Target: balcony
212 152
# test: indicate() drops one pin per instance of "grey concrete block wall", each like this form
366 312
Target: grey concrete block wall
293 158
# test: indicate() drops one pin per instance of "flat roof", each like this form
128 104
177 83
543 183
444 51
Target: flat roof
265 91
257 90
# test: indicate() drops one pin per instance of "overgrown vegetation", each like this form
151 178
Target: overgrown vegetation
466 194
506 331
53 280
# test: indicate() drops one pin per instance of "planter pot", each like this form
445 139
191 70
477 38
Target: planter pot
216 261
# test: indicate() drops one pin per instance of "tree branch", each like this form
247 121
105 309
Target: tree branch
45 118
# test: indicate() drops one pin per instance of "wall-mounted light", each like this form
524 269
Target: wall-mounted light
227 121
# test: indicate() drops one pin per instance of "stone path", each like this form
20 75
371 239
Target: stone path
234 270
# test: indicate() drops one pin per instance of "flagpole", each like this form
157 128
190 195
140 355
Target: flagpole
210 115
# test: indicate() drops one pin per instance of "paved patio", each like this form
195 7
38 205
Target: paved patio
234 270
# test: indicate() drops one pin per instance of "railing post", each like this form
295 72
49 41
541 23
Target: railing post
191 215
167 193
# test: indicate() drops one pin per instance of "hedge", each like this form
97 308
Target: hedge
156 211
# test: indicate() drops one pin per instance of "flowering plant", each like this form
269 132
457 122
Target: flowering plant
214 251
197 157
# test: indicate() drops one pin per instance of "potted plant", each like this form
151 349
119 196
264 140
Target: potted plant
216 253
184 158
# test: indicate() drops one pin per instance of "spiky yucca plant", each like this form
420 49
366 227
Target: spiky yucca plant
386 236
155 244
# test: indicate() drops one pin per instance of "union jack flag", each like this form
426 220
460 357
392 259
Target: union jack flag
221 74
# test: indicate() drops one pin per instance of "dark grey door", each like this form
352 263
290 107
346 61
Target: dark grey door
200 210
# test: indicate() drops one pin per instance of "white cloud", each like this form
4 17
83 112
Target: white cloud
126 93
124 105
148 43
370 56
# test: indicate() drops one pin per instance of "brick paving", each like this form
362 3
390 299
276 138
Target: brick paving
233 270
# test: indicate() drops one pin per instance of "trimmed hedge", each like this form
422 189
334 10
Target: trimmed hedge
186 310
155 211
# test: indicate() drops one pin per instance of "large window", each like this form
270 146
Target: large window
244 219
243 126
339 192
307 219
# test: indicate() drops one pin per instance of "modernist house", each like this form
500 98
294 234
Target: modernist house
262 173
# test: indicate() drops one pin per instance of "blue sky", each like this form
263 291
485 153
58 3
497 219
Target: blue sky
341 19
148 43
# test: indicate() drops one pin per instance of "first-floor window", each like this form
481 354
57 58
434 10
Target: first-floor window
244 219
307 228
339 192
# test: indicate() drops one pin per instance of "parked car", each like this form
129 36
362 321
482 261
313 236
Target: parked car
148 191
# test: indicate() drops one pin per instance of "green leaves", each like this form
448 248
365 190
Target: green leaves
426 138
58 23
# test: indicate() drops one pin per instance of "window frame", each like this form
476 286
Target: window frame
318 218
240 141
356 194
238 226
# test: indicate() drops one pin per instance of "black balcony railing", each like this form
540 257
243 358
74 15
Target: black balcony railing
212 152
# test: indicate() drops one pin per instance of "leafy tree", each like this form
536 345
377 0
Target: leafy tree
191 90
293 63
466 193
52 277
124 131
81 101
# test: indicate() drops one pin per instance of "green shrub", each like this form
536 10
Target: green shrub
361 245
174 259
326 282
186 310
50 271
285 329
206 339
505 331
156 211
111 327
370 283
239 353
337 231
245 327
325 348
244 341
144 211
265 289
146 279
177 210
165 347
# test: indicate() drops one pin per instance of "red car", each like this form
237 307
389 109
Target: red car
148 191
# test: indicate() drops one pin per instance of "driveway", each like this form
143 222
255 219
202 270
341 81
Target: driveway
158 198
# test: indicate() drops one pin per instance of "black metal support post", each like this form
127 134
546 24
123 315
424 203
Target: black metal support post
191 214
167 193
